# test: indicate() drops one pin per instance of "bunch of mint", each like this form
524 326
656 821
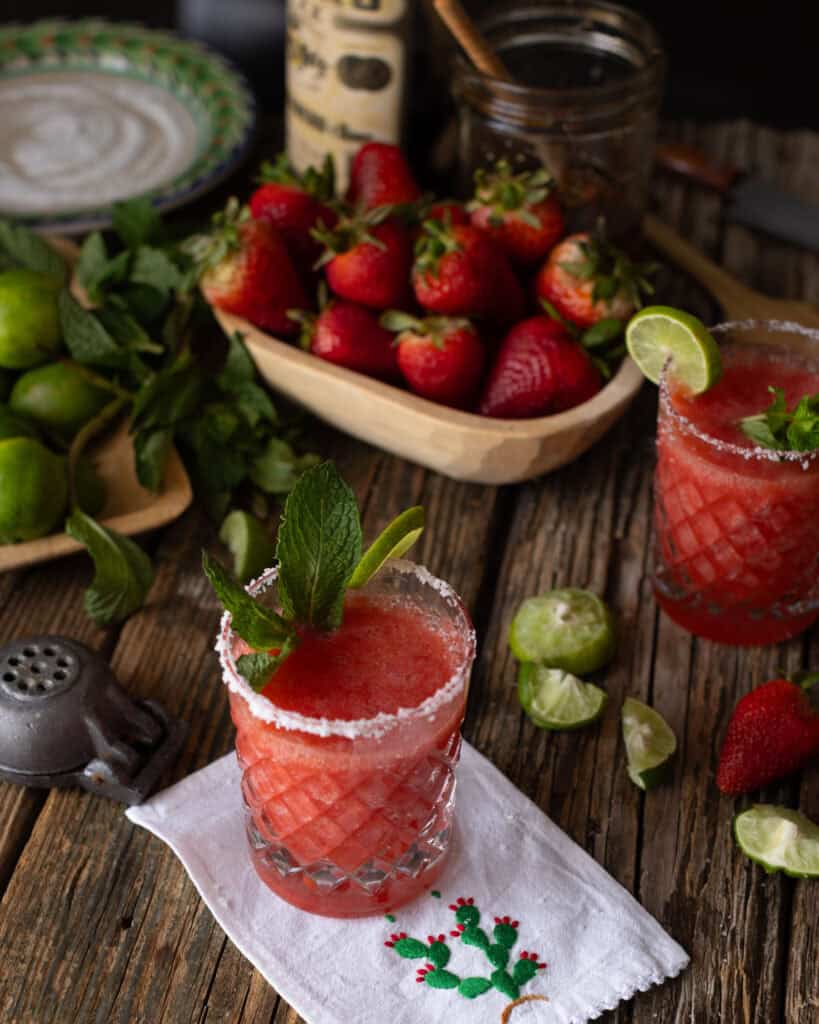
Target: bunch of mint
779 429
149 338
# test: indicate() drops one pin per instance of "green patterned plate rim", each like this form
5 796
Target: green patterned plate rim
212 93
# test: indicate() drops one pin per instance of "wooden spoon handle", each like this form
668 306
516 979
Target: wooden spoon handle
727 290
452 13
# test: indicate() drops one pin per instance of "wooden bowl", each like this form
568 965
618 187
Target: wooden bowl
461 445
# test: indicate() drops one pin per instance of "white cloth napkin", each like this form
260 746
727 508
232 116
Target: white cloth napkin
599 944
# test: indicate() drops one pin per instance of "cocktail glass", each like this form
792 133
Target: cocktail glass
352 816
737 526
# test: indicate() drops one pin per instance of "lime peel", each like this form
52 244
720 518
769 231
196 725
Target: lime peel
393 542
557 700
650 743
250 545
779 839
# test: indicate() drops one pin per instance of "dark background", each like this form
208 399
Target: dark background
727 59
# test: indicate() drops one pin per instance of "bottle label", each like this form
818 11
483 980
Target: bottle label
346 73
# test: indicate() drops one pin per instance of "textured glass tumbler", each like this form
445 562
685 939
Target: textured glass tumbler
736 555
349 818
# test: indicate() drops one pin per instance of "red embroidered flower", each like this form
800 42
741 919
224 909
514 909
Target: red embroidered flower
461 902
457 934
533 957
507 920
422 972
395 938
436 938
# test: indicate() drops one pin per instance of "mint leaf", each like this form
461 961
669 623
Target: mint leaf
238 380
238 368
123 572
169 396
319 547
85 337
602 332
151 449
278 468
137 222
155 268
127 331
24 248
257 625
258 668
780 430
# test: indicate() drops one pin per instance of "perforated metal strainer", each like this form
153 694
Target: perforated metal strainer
65 721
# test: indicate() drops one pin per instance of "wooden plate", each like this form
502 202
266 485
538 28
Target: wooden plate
461 445
129 508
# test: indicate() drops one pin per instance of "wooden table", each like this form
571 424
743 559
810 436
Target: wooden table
99 923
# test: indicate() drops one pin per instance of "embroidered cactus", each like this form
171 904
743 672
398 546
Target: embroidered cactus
437 954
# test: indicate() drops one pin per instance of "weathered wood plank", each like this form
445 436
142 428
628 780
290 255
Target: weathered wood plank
733 919
131 940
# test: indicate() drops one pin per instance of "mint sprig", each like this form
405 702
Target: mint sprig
319 547
319 554
780 429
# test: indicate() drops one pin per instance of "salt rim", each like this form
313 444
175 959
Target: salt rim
358 728
758 452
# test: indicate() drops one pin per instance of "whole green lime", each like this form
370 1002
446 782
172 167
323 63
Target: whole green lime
90 487
29 318
57 396
33 490
12 425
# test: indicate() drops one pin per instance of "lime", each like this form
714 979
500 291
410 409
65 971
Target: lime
90 487
395 540
33 490
569 629
12 425
659 334
29 318
650 743
250 544
57 396
557 700
779 839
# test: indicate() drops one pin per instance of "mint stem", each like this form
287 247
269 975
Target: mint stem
88 432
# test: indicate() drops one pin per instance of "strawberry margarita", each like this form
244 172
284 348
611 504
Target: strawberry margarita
737 526
348 754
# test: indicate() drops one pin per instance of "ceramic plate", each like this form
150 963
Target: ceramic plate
92 112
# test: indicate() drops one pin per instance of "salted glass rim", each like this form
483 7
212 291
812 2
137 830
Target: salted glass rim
756 453
265 710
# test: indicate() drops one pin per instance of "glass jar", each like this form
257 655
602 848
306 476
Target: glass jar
586 107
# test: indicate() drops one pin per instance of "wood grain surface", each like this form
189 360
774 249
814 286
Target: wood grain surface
99 923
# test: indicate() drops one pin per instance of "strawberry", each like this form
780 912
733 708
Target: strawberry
295 204
367 259
380 176
586 279
520 211
773 731
448 211
349 335
245 269
441 358
539 370
460 271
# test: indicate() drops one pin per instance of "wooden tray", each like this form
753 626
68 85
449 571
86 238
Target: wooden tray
461 445
129 508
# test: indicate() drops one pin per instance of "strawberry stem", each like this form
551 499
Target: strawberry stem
805 680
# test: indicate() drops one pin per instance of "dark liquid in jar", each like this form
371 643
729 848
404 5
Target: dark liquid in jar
555 65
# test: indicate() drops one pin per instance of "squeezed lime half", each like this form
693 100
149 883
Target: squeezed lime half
250 544
557 700
661 334
779 839
650 743
570 629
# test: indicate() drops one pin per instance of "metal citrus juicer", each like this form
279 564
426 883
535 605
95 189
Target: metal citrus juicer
66 721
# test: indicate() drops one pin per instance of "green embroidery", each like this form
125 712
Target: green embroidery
437 954
436 894
390 917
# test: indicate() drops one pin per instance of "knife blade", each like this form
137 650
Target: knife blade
751 200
